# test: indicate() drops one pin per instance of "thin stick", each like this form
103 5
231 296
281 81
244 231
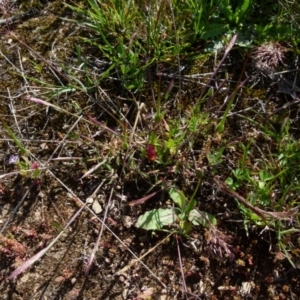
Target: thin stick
230 45
22 71
181 268
139 259
12 109
96 246
140 107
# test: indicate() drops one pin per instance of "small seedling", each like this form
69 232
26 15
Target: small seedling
26 168
185 215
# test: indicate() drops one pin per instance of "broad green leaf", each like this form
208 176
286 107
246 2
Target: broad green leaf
157 218
202 218
229 181
178 197
213 31
244 7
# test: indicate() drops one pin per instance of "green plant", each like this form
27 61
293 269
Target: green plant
214 157
169 145
216 20
130 36
114 22
271 186
184 215
181 218
26 167
235 15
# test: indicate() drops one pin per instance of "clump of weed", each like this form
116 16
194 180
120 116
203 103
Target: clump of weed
218 242
268 57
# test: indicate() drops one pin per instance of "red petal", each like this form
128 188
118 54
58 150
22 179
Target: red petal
151 152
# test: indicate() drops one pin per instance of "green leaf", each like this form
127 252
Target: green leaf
36 173
177 197
123 69
22 149
190 206
241 174
229 181
226 9
241 10
202 218
185 226
261 184
157 218
213 31
215 157
171 145
264 176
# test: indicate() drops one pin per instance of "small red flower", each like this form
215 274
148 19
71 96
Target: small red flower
151 152
34 166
